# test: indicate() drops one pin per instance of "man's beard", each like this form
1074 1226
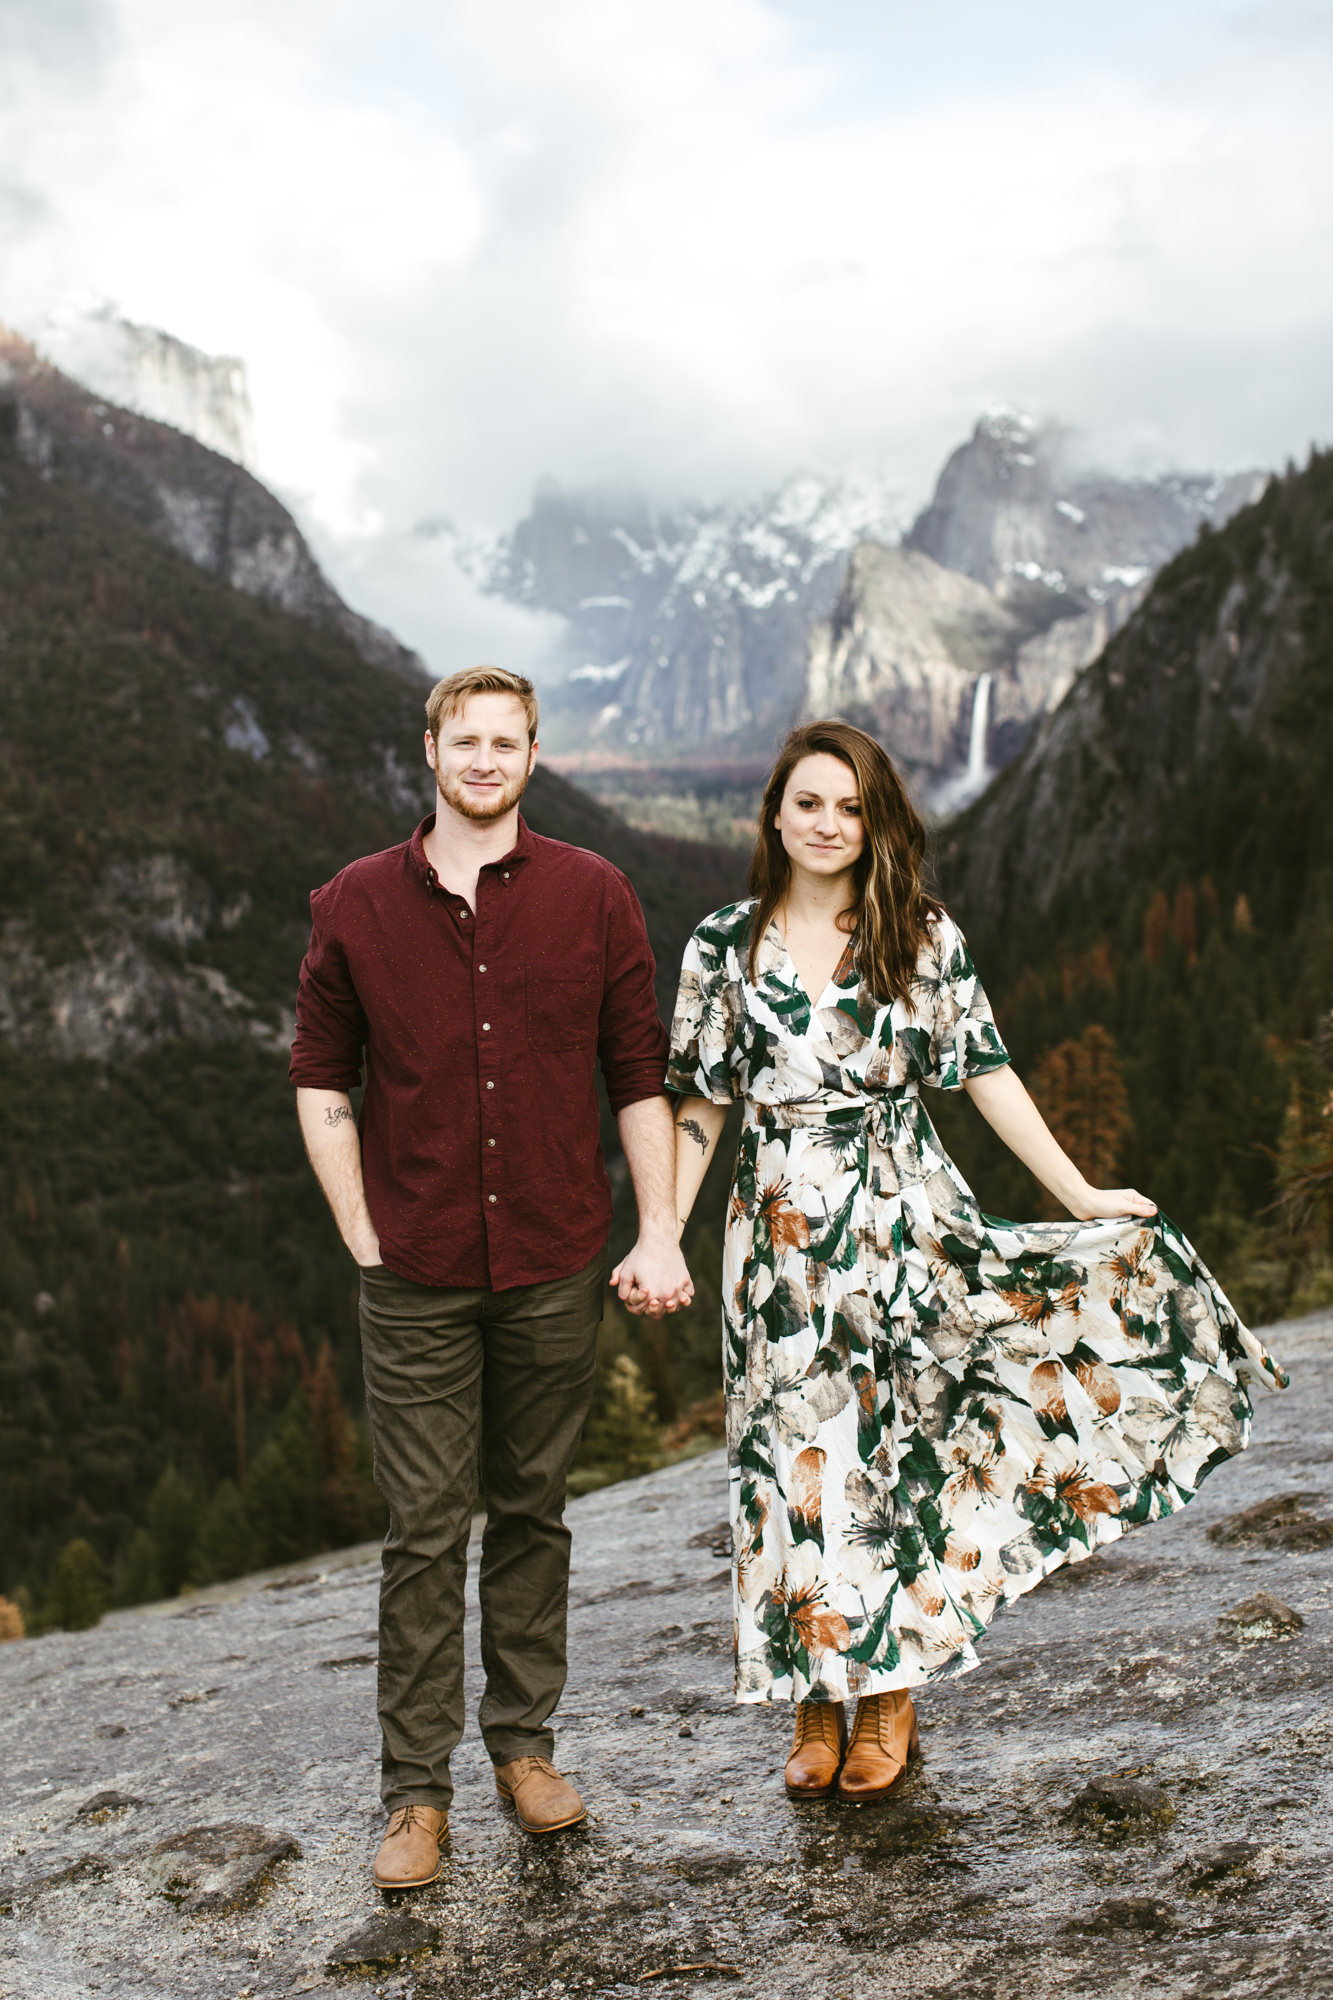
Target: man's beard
451 790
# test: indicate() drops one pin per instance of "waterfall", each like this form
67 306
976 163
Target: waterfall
958 791
977 771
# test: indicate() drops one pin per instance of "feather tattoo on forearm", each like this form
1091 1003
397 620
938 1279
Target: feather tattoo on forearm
695 1132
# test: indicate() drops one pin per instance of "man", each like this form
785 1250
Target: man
480 971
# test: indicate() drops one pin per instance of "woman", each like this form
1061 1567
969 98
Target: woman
928 1410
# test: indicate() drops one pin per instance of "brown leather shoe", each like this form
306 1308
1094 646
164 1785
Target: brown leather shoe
884 1736
817 1749
541 1798
409 1855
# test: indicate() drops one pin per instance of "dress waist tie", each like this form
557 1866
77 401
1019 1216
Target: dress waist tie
893 1211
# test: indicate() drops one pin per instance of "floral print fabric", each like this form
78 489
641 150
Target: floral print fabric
928 1409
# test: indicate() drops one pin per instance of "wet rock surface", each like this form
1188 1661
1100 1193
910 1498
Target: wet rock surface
389 1939
245 1727
1120 1802
216 1868
1283 1521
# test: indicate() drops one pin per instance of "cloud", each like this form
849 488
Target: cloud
463 243
413 584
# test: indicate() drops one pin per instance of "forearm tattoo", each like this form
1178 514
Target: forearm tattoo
696 1132
336 1113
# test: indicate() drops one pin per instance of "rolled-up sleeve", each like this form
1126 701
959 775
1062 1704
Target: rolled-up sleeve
964 1040
701 1036
631 1040
330 1021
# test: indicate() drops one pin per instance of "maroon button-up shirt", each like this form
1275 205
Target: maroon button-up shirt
480 1036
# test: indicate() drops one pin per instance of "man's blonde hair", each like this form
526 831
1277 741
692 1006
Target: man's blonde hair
450 694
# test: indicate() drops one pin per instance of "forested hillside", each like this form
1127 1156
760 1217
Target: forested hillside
1149 892
179 764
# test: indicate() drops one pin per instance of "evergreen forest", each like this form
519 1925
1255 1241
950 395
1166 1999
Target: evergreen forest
179 1375
179 1372
1171 1004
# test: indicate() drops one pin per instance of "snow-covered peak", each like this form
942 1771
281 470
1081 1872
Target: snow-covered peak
1004 425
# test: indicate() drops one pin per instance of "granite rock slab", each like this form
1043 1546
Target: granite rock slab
1120 1804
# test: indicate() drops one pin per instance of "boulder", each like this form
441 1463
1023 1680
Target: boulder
1259 1617
211 1869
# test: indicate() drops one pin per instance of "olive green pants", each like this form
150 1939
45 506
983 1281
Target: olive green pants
461 1382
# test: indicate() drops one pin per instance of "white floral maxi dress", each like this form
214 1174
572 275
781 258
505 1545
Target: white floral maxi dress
928 1409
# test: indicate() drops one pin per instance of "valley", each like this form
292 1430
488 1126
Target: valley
196 729
707 632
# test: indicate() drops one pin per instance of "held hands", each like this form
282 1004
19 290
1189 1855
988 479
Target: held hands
652 1278
1089 1204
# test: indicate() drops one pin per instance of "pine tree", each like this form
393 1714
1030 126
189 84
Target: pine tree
621 1437
1305 1149
138 1578
1081 1093
345 1508
174 1513
282 1491
226 1544
1156 923
76 1596
1184 922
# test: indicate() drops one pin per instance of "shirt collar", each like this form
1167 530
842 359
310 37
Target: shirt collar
523 850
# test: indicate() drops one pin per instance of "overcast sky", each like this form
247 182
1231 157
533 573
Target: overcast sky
691 244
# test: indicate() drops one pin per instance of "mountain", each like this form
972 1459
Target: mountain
904 652
705 632
1007 585
140 368
181 760
195 500
1155 868
687 628
1014 510
1222 667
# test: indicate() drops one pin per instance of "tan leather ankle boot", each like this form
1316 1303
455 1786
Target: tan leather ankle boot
409 1855
884 1736
542 1800
816 1749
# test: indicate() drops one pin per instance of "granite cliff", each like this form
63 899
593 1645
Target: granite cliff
686 628
953 679
704 632
1225 665
143 369
196 500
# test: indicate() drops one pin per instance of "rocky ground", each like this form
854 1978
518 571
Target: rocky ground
1131 1798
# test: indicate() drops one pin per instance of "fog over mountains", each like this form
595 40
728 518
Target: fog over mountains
686 629
155 375
706 631
696 634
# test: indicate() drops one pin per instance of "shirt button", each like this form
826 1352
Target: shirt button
490 1086
481 968
485 1027
491 1197
490 1142
506 874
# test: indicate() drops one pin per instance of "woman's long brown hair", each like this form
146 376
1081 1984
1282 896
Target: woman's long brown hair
891 910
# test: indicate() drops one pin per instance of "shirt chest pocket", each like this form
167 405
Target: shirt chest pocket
562 1013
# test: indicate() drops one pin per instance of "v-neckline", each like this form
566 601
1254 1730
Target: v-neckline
812 1006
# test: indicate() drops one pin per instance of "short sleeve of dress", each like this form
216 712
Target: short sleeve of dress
964 1040
701 1040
